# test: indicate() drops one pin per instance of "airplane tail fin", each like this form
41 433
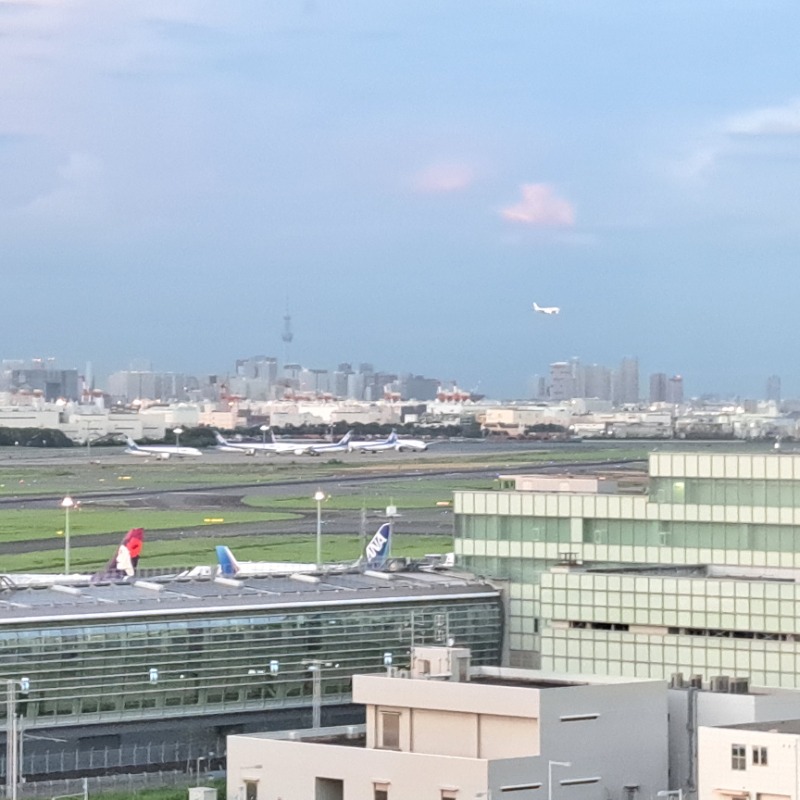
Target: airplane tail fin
536 306
228 565
346 438
220 438
377 551
131 444
124 562
392 437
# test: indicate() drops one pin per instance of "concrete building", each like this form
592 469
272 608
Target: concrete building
754 761
774 388
562 381
701 575
695 705
447 732
658 387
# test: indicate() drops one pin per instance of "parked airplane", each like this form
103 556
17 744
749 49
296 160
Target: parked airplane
248 448
546 309
283 448
376 446
392 442
163 451
375 555
121 565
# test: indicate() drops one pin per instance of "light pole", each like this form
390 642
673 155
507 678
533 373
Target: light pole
319 496
315 668
14 734
197 769
550 765
671 793
177 431
67 503
264 429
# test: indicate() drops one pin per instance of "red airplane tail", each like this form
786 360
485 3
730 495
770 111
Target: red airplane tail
123 563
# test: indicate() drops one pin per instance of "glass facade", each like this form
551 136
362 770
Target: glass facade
737 512
133 668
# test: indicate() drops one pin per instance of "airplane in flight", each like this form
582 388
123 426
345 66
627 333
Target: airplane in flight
162 451
546 309
120 566
374 557
283 448
392 442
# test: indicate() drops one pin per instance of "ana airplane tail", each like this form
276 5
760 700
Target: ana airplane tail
124 562
377 551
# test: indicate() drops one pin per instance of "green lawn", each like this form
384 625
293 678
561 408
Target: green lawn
23 525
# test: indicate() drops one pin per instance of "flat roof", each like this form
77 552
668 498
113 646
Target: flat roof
177 596
775 726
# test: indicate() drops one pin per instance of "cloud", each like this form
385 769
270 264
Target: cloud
770 121
541 207
440 178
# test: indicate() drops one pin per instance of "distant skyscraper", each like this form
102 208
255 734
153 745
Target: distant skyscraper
597 381
774 388
658 387
675 389
626 384
562 384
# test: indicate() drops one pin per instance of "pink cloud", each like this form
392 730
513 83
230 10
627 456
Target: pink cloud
540 206
444 178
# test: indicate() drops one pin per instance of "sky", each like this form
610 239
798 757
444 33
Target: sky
405 178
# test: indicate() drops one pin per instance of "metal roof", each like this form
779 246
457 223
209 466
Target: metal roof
186 596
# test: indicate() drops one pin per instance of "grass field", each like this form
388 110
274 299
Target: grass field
196 544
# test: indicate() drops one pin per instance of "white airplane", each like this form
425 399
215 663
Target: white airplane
283 448
374 557
248 448
546 309
392 442
163 451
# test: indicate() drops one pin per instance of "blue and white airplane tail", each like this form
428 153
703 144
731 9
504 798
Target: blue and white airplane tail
377 551
228 565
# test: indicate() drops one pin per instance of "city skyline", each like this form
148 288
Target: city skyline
406 180
263 377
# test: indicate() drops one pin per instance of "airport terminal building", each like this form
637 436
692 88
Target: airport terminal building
187 661
699 575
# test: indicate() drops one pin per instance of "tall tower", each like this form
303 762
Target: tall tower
287 335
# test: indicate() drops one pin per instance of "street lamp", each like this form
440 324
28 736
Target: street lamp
315 668
177 431
67 503
264 429
550 765
319 496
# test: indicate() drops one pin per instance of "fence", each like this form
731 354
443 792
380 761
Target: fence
129 783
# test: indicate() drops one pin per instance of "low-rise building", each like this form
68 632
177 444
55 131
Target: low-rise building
754 761
445 731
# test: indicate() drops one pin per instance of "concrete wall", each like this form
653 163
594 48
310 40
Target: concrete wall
288 770
719 781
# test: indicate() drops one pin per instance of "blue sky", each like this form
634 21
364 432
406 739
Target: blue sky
410 176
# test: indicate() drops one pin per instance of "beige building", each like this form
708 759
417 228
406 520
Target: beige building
445 731
756 761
